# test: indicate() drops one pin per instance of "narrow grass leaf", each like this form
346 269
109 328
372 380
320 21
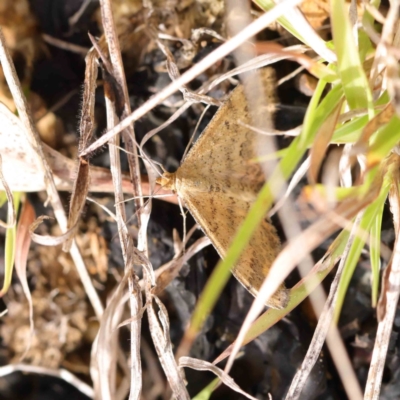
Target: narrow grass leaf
350 131
374 245
206 393
367 221
78 199
384 141
9 252
318 113
353 78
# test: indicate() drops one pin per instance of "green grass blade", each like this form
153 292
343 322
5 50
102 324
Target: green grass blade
353 78
9 248
366 223
350 131
317 114
206 393
384 141
3 198
375 245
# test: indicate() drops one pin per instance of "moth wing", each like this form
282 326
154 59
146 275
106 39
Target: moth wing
227 148
220 216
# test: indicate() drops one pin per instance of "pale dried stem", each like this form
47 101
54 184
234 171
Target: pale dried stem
323 329
62 44
135 298
201 365
34 140
259 62
58 373
105 347
237 18
157 377
129 135
159 328
169 271
385 326
386 37
86 280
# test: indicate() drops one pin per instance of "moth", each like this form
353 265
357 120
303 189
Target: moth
220 178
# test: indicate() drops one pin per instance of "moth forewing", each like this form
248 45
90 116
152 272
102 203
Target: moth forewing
218 182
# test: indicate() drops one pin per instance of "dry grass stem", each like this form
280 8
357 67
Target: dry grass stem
61 373
390 297
200 365
321 332
62 44
23 242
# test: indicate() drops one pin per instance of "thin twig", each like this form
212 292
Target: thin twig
62 44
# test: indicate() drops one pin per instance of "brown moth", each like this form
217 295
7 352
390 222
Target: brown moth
219 180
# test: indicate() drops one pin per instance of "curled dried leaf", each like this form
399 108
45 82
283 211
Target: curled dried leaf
48 240
200 365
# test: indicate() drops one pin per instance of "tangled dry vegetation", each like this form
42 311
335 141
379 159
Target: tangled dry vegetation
112 297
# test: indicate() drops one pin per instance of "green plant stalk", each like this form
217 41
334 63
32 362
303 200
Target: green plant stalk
384 141
316 115
207 391
9 248
369 217
374 245
353 78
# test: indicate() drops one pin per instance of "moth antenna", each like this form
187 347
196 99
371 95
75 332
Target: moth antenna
195 131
